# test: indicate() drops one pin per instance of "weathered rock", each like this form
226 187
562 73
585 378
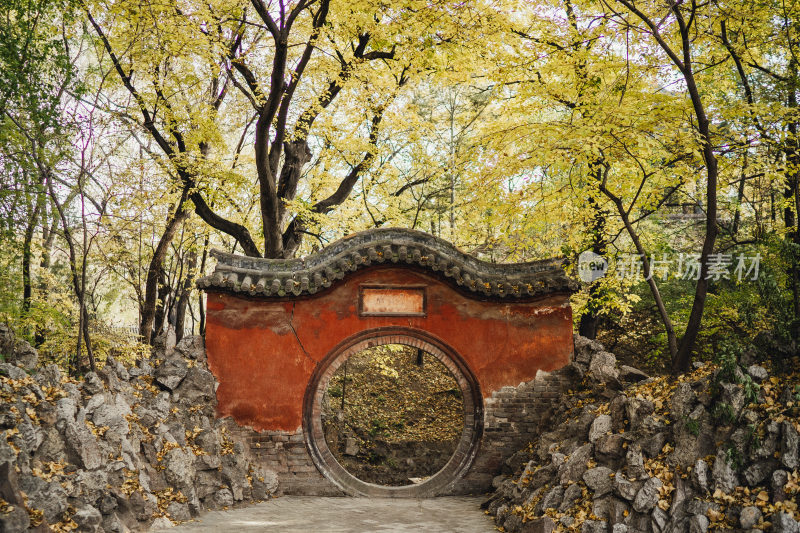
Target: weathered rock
758 373
197 387
112 413
92 384
265 482
143 368
594 526
600 426
11 371
634 467
603 367
162 522
700 476
88 519
171 372
784 523
17 351
351 446
790 446
17 518
630 374
118 368
114 523
698 524
624 487
82 445
610 509
609 449
539 525
585 348
658 520
637 409
599 480
50 375
92 484
701 507
179 468
512 523
725 478
617 411
50 498
647 497
680 498
575 466
571 495
749 517
693 437
7 453
652 445
192 347
778 481
541 476
769 444
683 401
733 396
758 472
553 499
178 511
143 506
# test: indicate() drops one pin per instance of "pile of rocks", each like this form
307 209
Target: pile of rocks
714 449
122 449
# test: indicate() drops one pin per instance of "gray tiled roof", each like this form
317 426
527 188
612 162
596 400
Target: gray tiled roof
276 278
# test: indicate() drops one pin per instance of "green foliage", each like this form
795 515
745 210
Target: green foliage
692 425
723 413
727 357
377 426
734 456
753 436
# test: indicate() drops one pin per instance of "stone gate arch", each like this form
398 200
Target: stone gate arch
276 329
468 444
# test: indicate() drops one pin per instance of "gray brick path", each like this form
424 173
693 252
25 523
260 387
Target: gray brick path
310 514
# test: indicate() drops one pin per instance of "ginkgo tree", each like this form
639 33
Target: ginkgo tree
291 62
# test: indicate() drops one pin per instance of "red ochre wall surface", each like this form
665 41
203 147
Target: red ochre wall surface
263 352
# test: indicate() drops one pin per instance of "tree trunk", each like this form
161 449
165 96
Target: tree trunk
201 305
790 193
27 287
672 340
186 292
155 269
160 313
587 327
83 329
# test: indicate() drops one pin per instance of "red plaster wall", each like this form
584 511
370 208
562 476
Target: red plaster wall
264 352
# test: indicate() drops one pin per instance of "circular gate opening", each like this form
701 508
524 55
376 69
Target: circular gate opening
394 435
392 415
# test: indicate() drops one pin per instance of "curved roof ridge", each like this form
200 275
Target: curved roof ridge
279 278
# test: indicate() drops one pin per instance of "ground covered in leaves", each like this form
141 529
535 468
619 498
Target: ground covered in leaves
390 420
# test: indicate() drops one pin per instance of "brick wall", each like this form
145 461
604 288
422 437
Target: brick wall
512 418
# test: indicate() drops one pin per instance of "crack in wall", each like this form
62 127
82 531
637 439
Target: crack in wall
299 342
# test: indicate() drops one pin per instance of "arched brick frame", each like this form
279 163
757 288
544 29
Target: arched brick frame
466 449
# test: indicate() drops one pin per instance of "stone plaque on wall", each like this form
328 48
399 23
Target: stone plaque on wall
391 300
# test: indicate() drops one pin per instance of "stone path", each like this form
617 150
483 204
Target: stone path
348 515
